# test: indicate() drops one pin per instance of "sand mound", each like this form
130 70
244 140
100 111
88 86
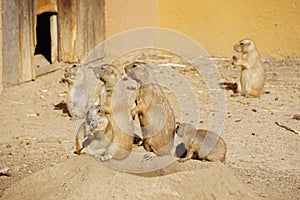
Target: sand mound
82 177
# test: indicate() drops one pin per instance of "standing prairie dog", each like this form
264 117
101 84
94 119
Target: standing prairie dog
193 140
155 114
116 108
78 98
253 76
95 134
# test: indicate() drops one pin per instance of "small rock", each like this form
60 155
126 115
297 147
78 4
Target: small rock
5 171
43 90
62 95
296 117
33 115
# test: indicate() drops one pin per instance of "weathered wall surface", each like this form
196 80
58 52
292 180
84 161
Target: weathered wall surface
26 39
81 28
75 27
1 86
46 6
17 41
90 26
10 43
67 30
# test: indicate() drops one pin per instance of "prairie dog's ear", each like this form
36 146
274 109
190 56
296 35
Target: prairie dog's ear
97 71
246 43
177 126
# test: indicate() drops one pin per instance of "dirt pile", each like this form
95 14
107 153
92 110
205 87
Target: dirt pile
82 177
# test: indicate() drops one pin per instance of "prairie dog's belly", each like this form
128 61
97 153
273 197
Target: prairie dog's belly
98 147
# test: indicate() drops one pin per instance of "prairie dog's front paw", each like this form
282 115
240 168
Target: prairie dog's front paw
133 113
235 58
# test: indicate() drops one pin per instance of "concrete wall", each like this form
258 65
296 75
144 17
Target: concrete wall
216 25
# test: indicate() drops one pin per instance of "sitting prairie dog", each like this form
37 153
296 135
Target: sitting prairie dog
116 107
95 134
154 112
252 79
78 98
193 140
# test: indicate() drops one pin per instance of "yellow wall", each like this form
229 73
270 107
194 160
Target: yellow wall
274 25
217 25
122 15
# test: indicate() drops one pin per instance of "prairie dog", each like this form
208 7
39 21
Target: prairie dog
154 112
116 108
78 98
193 140
95 134
252 79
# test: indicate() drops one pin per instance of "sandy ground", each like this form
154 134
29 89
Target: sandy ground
37 144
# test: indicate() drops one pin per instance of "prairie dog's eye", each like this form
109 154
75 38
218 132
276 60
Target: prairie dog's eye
99 111
134 66
241 43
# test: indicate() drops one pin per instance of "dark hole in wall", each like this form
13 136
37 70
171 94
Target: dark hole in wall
43 35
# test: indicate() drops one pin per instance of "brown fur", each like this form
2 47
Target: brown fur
155 114
193 140
117 110
253 76
95 134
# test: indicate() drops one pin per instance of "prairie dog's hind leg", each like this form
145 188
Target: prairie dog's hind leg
189 155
